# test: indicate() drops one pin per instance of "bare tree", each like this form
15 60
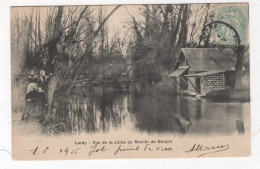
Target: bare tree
67 42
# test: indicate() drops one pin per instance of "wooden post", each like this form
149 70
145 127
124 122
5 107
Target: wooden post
192 84
239 66
176 81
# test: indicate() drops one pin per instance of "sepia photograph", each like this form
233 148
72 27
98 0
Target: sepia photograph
130 81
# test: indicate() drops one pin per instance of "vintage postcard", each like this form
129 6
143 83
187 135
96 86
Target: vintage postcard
130 81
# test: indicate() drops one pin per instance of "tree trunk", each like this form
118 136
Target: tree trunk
35 33
184 28
176 29
52 52
51 89
239 66
39 28
147 21
204 24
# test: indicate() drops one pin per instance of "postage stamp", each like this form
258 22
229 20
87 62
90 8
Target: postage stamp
235 16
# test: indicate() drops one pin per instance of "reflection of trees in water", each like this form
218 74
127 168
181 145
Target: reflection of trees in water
156 113
159 113
198 110
162 113
94 114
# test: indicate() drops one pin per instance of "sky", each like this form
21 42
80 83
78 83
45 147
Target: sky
115 22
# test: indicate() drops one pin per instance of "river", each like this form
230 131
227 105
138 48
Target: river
104 109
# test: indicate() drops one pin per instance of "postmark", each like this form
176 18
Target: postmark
235 17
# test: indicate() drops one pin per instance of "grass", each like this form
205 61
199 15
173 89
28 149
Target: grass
242 95
166 86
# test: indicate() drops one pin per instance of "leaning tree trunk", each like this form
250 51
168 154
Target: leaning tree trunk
239 66
51 89
52 52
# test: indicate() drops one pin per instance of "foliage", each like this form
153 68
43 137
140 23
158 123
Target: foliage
159 35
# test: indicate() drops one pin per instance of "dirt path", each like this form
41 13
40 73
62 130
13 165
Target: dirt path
29 127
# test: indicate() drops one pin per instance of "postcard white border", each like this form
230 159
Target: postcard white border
216 163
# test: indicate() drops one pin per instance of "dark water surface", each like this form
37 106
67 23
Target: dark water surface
105 109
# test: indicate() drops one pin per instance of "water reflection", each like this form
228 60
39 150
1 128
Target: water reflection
102 110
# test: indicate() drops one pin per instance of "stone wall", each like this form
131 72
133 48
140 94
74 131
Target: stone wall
212 82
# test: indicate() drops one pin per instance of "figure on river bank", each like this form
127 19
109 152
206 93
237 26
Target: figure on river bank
36 97
30 99
33 81
44 81
40 106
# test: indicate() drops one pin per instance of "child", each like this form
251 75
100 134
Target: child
30 103
43 82
33 81
43 77
40 104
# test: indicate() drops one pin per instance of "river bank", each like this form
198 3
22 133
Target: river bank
168 87
240 95
155 108
159 114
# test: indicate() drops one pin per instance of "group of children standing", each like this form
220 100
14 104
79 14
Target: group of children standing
36 97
